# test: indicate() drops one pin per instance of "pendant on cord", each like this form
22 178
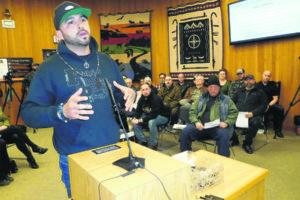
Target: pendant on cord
86 65
98 83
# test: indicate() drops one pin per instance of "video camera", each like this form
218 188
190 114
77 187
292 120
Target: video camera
8 77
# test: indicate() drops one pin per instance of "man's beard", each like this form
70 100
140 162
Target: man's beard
77 42
249 85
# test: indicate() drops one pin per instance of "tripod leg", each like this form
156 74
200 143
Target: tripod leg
14 92
21 102
6 97
292 103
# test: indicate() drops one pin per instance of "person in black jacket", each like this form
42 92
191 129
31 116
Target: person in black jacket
272 92
150 112
254 101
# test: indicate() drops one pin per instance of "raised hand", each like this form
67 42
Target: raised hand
129 95
74 110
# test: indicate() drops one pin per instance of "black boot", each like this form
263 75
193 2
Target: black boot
39 150
278 133
32 163
13 167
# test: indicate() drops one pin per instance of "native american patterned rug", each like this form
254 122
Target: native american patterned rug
126 38
195 38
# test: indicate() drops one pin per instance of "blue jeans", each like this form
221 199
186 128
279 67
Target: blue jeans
65 177
152 124
221 135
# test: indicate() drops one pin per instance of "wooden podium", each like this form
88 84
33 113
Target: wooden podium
94 177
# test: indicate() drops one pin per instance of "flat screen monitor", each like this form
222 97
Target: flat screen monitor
255 20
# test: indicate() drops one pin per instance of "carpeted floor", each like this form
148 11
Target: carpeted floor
281 157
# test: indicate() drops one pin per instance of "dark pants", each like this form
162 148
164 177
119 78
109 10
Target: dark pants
184 113
4 160
254 124
13 134
278 113
221 135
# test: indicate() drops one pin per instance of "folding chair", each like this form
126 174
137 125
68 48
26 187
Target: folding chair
213 143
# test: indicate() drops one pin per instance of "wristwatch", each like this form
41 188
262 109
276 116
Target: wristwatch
60 113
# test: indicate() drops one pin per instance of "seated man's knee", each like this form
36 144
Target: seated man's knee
223 134
255 122
151 123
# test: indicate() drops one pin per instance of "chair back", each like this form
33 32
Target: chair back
278 84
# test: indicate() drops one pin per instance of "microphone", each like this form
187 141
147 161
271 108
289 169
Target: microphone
129 163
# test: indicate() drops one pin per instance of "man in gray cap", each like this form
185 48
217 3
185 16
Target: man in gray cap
254 101
69 92
238 83
211 106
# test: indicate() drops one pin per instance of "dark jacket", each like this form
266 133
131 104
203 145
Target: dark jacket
170 95
183 88
235 86
154 89
256 101
151 107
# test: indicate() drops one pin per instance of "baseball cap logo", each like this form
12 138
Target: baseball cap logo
69 7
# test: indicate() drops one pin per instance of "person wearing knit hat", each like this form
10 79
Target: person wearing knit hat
70 93
211 106
213 80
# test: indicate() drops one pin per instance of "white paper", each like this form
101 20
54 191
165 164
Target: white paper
242 121
179 126
212 124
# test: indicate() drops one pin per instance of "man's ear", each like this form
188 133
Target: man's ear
59 35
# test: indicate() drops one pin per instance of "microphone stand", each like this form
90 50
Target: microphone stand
129 163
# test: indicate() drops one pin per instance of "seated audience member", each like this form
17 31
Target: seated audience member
161 83
273 108
148 80
182 84
170 94
190 97
150 112
142 81
13 134
254 101
129 84
225 84
211 105
237 84
194 92
5 179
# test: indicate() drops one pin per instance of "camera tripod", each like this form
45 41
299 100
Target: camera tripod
9 94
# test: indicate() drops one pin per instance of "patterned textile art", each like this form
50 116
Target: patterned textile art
195 38
126 38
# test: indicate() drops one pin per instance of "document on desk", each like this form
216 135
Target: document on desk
242 121
212 124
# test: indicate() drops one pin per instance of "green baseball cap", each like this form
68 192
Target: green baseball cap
66 9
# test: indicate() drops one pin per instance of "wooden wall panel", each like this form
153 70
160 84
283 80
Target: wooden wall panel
34 32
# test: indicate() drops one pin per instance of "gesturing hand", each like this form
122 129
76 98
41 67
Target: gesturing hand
129 95
73 110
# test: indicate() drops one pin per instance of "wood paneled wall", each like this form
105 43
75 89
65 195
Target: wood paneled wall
34 31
